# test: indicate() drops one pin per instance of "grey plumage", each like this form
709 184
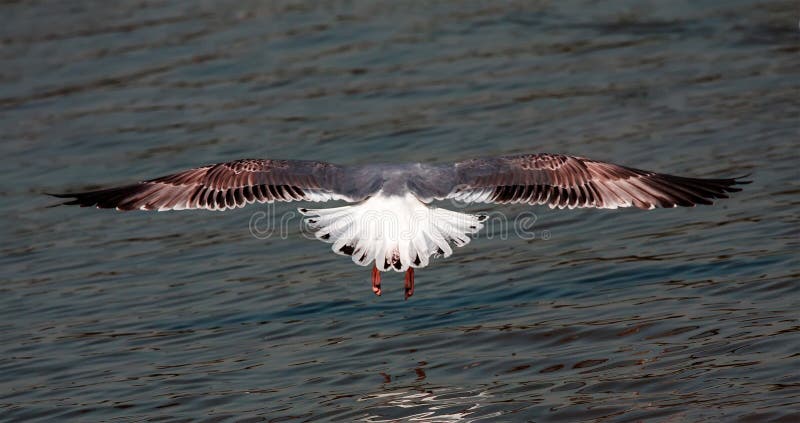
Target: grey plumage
557 180
393 226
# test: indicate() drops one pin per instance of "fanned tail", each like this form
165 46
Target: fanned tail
393 232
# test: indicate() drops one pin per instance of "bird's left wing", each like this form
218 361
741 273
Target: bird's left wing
229 185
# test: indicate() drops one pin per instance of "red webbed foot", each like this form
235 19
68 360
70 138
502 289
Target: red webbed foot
376 280
409 282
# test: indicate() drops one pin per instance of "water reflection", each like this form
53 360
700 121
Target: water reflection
428 405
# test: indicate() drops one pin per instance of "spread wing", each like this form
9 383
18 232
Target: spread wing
229 185
567 181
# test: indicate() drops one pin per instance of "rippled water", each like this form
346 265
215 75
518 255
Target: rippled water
669 315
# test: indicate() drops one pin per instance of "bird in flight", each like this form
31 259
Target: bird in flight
392 224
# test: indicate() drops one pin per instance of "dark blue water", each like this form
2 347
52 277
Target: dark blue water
667 315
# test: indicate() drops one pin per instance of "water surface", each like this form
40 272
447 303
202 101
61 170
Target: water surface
668 315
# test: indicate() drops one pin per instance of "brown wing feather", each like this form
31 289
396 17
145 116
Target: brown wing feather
566 181
221 186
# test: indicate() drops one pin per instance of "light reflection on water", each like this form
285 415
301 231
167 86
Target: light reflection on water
427 406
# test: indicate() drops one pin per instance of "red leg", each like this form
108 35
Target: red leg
376 280
409 282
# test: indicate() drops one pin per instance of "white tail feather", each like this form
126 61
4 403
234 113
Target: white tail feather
394 232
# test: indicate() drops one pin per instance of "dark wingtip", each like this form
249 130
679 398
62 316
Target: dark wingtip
75 199
57 196
105 198
739 180
60 195
65 203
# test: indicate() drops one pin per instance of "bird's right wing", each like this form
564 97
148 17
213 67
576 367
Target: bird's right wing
568 181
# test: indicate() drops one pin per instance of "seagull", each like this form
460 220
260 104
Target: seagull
391 223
